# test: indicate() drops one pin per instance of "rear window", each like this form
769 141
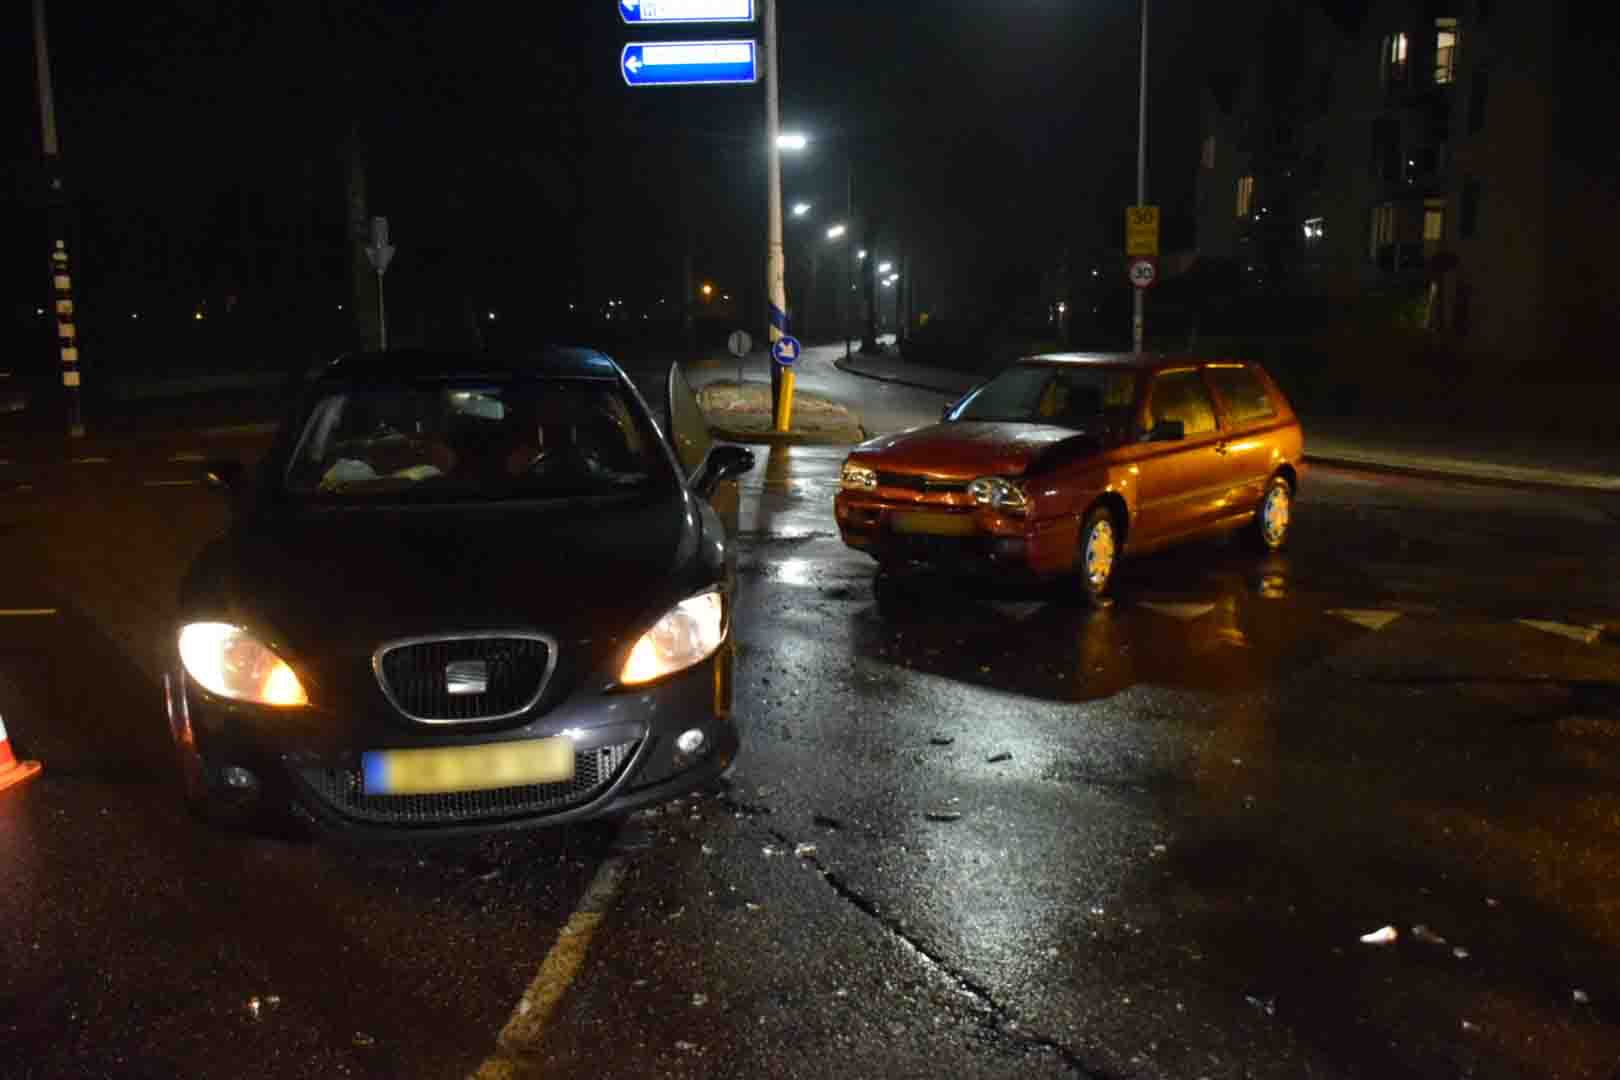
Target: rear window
535 438
1243 393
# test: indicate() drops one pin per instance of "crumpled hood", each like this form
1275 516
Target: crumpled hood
971 448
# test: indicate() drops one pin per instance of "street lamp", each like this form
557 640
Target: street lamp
884 268
861 255
791 140
801 209
835 232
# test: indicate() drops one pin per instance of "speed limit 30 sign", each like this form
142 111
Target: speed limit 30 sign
1143 272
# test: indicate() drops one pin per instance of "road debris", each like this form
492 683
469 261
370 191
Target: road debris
942 740
1423 934
943 815
1384 935
996 759
1460 953
699 1000
1266 1004
1580 997
804 851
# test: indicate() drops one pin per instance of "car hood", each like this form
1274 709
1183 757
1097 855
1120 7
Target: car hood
973 448
335 579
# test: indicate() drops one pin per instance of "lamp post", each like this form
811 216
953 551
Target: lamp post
775 257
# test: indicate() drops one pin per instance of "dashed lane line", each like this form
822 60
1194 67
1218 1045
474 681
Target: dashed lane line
521 1038
26 612
1586 635
190 456
1367 620
168 483
90 461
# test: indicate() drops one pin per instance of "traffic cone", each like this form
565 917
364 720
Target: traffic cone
13 771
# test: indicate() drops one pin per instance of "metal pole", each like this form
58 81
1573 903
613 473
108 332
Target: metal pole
1138 319
382 314
847 305
775 257
67 335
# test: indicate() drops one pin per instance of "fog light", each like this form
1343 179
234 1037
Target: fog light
691 742
238 779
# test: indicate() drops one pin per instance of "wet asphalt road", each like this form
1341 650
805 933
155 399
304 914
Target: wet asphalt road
972 833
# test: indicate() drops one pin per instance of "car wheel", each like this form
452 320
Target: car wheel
1098 554
1269 530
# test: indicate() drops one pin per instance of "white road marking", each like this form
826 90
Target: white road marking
91 461
190 455
1586 635
168 483
1179 610
523 1033
26 612
1367 620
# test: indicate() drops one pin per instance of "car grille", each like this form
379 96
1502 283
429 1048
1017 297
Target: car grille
415 676
916 482
594 770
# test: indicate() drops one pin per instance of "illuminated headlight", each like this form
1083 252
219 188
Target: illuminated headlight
859 477
997 492
689 634
228 661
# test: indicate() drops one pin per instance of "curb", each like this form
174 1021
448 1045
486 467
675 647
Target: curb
840 365
1493 479
790 438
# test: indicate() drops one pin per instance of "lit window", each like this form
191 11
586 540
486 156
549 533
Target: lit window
1209 151
1383 227
1393 59
1434 222
1245 196
1315 229
1445 51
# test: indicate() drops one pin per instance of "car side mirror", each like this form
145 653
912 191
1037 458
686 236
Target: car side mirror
223 475
1168 431
721 463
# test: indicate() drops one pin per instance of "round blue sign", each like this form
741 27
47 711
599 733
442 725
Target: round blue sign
786 351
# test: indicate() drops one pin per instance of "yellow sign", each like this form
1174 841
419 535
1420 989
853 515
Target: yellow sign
1141 230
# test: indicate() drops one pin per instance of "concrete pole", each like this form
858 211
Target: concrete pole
1139 304
775 256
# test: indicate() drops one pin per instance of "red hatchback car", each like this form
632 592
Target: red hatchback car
1062 464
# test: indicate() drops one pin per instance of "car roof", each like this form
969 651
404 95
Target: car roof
1138 361
412 364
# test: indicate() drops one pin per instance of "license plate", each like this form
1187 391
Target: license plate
934 524
468 768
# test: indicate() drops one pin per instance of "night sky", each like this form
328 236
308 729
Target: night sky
203 143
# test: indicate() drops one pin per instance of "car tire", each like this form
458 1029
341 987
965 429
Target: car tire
1097 553
1269 530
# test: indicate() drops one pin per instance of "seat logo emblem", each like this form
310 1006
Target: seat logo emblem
466 677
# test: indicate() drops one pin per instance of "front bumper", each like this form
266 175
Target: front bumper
978 541
624 751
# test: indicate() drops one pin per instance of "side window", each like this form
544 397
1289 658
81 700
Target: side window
1242 392
1181 395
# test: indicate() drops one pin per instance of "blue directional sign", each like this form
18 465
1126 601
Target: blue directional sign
786 351
686 11
690 63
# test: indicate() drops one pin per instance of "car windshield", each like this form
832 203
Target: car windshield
536 438
1079 397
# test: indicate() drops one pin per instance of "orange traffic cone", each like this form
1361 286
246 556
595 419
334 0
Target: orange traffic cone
13 771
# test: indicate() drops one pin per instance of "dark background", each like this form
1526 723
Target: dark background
205 149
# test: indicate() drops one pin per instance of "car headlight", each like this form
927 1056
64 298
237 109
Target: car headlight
688 634
998 492
228 661
859 477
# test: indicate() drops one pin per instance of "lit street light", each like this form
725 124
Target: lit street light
861 255
791 140
801 209
884 268
835 232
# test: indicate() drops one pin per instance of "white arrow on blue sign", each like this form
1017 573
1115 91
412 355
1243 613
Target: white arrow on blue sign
686 11
690 63
786 351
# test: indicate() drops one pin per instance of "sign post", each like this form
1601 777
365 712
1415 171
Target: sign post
689 63
785 352
1143 271
740 344
641 12
380 253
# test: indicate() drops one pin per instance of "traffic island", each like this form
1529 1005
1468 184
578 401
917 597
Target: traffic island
741 413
